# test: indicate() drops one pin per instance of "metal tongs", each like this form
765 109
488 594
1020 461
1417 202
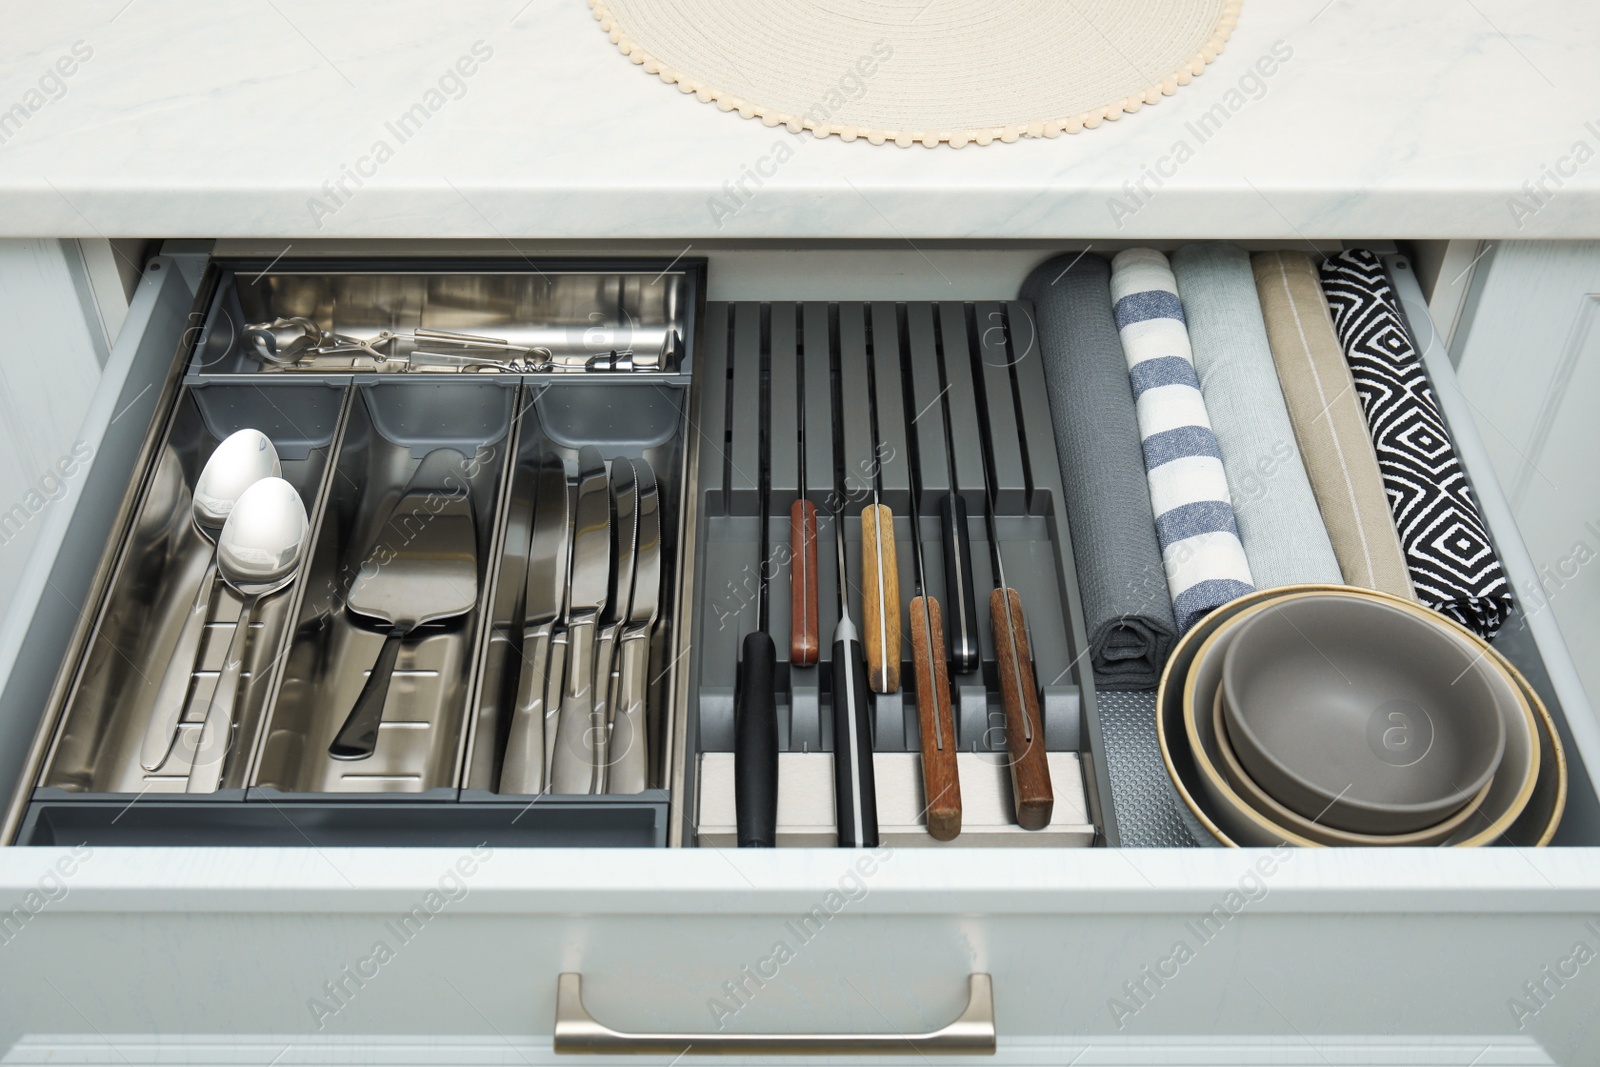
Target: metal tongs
290 342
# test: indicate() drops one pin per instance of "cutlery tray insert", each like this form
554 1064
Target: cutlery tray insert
954 356
353 443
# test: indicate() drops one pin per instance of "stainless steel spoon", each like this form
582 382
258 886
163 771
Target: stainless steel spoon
240 461
258 553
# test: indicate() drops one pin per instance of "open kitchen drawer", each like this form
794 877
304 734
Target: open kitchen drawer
1096 955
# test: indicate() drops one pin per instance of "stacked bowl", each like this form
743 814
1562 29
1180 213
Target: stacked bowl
1331 715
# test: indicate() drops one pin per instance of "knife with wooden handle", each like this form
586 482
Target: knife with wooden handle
805 640
880 599
936 724
1019 696
1031 792
941 785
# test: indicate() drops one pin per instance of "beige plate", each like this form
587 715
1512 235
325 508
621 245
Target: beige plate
1535 827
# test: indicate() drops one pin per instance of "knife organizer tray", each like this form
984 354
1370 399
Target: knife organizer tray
350 441
958 354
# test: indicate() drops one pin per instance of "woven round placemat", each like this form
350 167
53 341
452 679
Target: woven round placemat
924 71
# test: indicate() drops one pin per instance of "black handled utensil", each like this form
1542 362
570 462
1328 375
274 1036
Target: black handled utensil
755 710
854 783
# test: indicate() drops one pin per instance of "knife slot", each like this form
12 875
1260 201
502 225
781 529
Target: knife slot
989 335
785 442
744 450
892 455
851 324
956 358
921 353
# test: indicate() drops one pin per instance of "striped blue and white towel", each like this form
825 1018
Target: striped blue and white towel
1200 547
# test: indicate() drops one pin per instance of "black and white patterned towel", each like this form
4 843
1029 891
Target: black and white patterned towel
1452 561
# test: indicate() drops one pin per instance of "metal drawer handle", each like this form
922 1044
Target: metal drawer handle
971 1032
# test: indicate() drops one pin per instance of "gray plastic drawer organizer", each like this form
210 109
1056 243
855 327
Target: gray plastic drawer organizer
354 436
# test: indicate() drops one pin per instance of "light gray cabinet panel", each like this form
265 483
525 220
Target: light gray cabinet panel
1529 364
49 367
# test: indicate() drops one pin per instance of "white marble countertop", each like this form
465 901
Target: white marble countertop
1406 118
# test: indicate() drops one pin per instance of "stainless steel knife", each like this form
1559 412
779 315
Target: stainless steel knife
524 767
625 529
576 756
630 755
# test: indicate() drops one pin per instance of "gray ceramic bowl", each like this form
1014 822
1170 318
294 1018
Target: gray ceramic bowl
1360 715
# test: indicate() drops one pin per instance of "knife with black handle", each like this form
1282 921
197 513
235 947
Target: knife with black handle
855 791
755 707
963 645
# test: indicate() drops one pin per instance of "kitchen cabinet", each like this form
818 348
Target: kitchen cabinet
452 955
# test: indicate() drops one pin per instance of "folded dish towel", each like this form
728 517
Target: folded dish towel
1120 577
1451 558
1279 523
1328 423
1205 563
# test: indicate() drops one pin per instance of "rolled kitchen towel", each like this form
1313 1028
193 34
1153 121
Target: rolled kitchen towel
1205 562
1279 522
1448 551
1120 576
1328 424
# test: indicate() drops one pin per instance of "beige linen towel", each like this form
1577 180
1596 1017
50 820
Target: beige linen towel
1328 424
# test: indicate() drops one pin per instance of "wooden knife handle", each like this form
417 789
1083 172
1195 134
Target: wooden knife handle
941 785
805 641
880 599
1019 694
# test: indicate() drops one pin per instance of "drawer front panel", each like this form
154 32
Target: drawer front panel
459 944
